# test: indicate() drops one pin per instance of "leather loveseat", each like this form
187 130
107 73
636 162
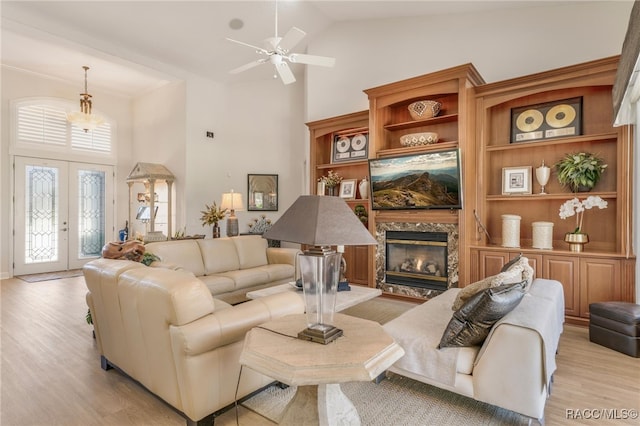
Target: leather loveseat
230 267
164 329
512 368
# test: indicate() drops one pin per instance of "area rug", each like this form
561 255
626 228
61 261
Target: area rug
380 309
398 400
47 276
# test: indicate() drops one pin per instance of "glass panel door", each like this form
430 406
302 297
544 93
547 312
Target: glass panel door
40 216
63 214
90 204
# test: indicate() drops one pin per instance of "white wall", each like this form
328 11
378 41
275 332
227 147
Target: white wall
263 133
17 84
501 44
159 137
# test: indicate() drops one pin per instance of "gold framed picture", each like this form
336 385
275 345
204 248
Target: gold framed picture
547 121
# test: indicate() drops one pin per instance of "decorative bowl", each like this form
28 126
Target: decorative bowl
415 139
421 110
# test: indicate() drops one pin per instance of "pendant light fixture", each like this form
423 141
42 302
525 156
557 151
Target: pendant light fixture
84 118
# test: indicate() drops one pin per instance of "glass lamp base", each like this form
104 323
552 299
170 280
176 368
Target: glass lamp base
324 335
232 227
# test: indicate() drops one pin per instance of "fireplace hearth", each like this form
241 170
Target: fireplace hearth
416 259
410 289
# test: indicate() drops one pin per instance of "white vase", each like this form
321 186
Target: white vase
510 230
542 176
363 187
320 190
542 235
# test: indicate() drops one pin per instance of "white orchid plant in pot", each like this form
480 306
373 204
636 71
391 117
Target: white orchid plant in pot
574 207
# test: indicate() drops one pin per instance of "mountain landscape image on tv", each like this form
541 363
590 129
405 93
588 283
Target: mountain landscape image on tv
418 181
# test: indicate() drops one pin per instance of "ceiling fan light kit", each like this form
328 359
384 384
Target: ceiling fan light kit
277 53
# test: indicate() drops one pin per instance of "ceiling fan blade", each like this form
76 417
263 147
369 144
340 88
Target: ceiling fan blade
285 73
248 66
290 40
258 49
323 61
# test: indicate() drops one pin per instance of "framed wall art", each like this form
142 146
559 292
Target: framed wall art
350 147
262 192
547 121
516 180
348 188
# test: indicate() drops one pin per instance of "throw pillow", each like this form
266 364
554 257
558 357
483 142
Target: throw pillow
510 263
527 272
471 324
513 275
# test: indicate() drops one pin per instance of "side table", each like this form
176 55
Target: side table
363 353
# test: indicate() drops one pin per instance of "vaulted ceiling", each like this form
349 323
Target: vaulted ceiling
135 46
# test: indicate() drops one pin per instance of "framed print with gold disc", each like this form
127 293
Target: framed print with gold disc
546 121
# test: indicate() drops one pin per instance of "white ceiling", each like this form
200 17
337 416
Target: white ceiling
134 46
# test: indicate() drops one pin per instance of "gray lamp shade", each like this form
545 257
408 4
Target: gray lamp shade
320 221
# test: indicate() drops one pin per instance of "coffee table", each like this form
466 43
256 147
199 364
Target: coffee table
344 299
363 353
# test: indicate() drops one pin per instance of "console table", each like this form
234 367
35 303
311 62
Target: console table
363 353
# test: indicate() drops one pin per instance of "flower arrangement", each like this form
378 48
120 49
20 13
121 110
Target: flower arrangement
580 170
576 207
260 226
212 214
332 179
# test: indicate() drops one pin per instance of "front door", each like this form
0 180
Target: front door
63 214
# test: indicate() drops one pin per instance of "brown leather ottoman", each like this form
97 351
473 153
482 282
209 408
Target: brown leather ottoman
616 325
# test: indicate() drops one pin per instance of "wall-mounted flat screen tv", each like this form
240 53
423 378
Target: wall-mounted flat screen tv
417 181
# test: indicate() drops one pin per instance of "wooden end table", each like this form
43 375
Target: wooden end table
363 353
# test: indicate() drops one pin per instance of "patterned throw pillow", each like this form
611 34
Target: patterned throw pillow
510 263
471 324
527 271
513 275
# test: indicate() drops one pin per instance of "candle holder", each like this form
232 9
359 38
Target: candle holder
542 176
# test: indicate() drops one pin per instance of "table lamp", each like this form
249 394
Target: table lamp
232 201
319 223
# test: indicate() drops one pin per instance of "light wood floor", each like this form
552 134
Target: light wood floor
50 372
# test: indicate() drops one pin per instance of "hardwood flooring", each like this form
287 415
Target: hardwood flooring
50 370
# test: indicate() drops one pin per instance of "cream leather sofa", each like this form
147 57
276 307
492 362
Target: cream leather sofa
230 267
164 329
514 366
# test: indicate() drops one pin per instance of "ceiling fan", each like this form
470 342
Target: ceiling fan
276 52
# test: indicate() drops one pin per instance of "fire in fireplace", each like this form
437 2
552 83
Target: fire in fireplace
416 259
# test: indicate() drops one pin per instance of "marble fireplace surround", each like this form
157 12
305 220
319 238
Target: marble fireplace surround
452 260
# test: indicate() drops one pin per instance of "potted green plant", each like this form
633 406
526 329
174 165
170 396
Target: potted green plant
361 212
211 216
581 171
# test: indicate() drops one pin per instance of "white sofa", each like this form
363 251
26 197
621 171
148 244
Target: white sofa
512 369
164 329
229 267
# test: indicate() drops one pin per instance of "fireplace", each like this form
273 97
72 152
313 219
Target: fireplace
417 259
